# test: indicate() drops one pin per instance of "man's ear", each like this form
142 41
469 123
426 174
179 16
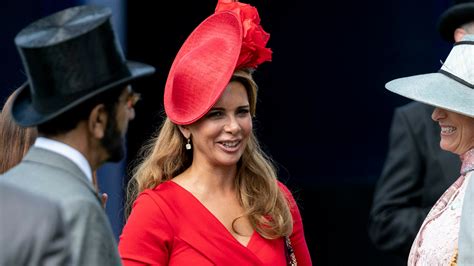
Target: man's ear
98 121
458 34
185 131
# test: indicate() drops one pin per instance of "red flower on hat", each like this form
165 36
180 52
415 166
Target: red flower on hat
253 51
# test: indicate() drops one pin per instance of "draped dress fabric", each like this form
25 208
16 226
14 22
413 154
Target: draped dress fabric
169 226
437 239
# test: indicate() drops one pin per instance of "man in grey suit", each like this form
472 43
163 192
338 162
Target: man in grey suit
78 94
42 240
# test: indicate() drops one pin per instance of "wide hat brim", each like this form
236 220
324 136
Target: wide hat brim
26 115
436 89
452 88
202 68
453 18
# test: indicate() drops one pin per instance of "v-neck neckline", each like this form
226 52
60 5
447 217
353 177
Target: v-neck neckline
214 218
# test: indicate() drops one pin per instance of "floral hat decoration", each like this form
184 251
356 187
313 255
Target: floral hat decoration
230 39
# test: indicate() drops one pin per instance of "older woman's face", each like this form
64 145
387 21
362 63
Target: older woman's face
457 131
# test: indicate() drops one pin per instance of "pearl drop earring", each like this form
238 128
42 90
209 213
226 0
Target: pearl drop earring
188 145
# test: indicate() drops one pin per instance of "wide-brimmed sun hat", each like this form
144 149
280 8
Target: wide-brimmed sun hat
452 88
460 13
229 39
69 57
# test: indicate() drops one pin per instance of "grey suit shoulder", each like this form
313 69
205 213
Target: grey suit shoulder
56 177
32 230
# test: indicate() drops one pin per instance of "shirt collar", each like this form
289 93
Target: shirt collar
67 151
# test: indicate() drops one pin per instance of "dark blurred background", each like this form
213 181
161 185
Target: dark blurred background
323 112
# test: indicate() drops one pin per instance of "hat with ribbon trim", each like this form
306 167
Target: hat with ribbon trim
452 88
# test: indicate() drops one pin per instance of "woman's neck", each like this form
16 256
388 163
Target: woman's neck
207 179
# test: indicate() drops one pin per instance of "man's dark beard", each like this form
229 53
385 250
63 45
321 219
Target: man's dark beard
113 142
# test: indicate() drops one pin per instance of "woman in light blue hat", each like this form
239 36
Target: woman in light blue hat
445 237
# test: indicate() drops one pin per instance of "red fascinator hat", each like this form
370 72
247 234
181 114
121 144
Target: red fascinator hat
230 39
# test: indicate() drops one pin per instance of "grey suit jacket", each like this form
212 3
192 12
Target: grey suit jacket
466 230
59 179
32 230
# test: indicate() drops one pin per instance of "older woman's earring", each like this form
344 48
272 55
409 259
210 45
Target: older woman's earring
188 145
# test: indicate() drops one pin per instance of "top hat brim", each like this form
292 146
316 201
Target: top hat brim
26 115
453 18
436 89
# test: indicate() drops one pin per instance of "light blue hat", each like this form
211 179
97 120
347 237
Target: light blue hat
452 88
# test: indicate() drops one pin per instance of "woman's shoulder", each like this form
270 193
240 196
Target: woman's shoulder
165 196
282 186
157 194
161 189
153 204
286 191
288 195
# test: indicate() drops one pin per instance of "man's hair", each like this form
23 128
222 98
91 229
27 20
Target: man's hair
69 119
468 27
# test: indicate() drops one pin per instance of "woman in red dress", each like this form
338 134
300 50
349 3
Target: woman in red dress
204 192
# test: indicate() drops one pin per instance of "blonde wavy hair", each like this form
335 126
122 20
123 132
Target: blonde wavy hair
265 205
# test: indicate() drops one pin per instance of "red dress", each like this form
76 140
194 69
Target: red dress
169 226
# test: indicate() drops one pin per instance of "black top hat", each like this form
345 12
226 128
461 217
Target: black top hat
69 57
461 12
